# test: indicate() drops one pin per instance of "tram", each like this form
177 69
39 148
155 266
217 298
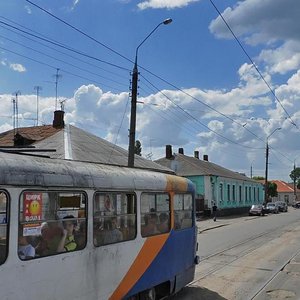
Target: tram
78 230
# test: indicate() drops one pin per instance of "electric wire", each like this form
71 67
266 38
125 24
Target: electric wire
65 47
197 121
78 30
252 62
55 68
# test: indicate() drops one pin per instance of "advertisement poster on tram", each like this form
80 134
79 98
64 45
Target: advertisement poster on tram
32 206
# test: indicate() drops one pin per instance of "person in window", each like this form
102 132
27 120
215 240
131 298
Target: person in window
67 242
108 206
51 235
164 223
112 233
25 249
150 227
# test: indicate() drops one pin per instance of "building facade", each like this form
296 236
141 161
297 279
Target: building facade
231 191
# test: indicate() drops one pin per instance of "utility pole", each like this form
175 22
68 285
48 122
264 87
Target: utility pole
134 98
266 174
37 89
295 194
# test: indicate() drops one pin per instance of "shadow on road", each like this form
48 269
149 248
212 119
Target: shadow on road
196 293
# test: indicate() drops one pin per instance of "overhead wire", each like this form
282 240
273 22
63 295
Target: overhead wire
54 49
253 64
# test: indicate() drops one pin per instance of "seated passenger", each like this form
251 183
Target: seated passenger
112 233
50 237
25 249
164 223
150 227
67 242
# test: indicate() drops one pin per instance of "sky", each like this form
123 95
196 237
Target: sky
223 78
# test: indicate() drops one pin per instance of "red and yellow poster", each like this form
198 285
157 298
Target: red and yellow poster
32 206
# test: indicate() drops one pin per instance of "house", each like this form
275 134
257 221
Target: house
285 192
64 141
231 191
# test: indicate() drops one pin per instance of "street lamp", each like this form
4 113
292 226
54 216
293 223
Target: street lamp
134 98
267 163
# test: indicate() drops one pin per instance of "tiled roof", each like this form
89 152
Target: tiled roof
283 187
76 144
36 133
190 166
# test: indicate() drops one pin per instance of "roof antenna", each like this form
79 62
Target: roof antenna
16 112
57 77
37 89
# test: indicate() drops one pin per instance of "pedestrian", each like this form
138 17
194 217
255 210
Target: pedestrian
215 208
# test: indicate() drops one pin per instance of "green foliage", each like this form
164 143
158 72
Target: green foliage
258 178
295 174
272 189
138 148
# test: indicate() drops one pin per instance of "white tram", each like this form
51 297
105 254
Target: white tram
77 230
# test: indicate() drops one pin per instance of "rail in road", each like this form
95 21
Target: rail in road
247 269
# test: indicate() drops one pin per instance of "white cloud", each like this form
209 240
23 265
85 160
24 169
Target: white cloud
75 2
169 4
17 67
28 9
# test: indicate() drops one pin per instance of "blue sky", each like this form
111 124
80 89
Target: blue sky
198 88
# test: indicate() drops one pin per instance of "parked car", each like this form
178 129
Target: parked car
257 210
282 206
272 207
296 205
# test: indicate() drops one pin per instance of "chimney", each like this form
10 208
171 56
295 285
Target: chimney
180 151
169 151
196 154
58 121
205 157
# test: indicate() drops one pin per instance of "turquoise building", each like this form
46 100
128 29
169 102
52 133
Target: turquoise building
231 191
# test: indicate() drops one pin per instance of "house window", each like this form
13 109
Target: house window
228 192
246 193
221 191
250 194
240 193
254 194
233 193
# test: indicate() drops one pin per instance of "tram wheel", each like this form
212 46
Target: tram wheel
148 294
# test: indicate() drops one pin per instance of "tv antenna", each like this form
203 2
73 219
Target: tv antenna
37 89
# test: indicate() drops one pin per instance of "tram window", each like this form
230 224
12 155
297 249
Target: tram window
183 211
3 226
155 213
50 223
114 218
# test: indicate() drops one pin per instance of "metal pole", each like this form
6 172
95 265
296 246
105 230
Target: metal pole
134 99
266 175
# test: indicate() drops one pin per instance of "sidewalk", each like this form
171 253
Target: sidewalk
207 223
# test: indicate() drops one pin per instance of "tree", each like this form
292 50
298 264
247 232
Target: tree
138 148
295 176
272 189
258 178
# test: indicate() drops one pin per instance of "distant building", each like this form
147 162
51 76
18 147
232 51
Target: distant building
69 142
285 192
231 191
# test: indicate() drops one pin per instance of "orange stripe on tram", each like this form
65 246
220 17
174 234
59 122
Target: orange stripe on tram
149 251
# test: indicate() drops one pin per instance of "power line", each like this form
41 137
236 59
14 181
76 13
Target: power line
78 30
254 65
64 47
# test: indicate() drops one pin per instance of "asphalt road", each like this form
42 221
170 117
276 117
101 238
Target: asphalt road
242 258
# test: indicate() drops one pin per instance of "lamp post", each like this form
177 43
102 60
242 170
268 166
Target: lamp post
134 98
267 163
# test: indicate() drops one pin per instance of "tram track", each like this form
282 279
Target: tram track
256 242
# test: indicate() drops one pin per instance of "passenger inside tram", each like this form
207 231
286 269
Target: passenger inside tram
112 234
48 242
25 249
164 224
67 242
150 227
